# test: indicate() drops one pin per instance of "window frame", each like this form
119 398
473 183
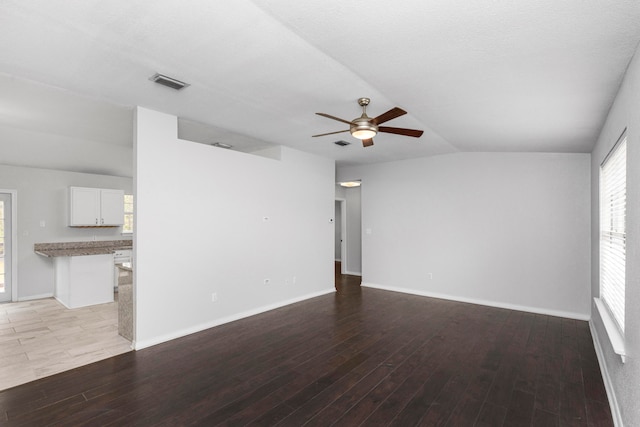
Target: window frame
126 214
612 255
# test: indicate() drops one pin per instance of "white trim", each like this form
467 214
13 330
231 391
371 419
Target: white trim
14 242
608 384
343 234
139 345
344 251
613 332
33 297
537 310
353 273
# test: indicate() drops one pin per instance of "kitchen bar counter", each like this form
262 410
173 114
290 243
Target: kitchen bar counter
125 300
98 247
82 280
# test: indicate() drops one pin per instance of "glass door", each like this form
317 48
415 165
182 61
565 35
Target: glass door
5 247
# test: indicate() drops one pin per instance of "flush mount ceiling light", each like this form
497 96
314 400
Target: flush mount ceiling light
168 81
350 184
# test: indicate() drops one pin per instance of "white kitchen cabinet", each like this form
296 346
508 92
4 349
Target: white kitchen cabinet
112 207
83 280
96 207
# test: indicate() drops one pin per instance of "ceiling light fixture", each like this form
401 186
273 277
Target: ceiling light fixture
350 184
362 128
365 127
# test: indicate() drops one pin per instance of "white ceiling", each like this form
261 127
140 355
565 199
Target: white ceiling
487 75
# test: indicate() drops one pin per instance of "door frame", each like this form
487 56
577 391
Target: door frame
13 194
343 234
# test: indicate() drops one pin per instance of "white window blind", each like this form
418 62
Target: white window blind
613 200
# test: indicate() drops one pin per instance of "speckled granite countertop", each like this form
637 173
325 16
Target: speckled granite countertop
99 247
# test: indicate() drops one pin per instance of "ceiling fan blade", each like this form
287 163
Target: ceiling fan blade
389 115
367 142
330 133
328 116
401 131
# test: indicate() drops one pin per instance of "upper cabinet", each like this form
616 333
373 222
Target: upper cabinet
96 207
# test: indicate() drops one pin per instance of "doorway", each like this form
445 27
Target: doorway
340 235
346 282
6 247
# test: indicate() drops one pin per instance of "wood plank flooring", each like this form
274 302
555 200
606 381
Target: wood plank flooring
372 358
346 283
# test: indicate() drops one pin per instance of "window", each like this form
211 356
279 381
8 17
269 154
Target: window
128 214
613 196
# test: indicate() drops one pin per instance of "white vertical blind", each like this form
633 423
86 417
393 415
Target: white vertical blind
613 200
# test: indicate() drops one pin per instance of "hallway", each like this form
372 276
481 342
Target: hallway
346 284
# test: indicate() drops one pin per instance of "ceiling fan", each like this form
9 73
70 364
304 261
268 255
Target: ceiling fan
365 127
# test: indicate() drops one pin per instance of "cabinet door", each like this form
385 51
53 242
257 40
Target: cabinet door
85 206
112 207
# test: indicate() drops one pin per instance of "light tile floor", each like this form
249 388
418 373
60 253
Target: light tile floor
42 337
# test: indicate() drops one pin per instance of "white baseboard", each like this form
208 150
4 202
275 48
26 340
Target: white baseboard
537 310
353 273
608 384
139 345
32 297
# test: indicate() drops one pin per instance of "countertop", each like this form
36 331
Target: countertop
99 247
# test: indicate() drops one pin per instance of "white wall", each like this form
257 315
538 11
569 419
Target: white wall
43 196
622 380
200 229
509 230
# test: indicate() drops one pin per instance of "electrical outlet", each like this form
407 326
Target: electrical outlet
267 281
214 297
294 280
430 276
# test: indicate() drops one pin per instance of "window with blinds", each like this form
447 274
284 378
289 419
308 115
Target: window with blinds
613 197
127 227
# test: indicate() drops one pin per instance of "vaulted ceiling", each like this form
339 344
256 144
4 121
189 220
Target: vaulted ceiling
482 75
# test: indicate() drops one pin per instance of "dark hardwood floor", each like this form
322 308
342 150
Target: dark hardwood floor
370 357
346 283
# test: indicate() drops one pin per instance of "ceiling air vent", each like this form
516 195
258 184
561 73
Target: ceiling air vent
168 81
222 145
342 143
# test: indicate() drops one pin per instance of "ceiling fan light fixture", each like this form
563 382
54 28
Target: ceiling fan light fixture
365 128
363 134
362 128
